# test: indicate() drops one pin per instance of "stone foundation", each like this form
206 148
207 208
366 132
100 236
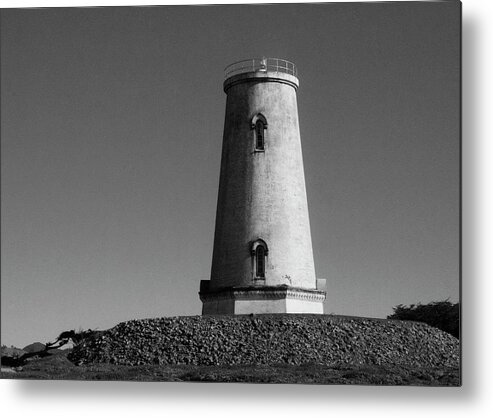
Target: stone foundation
261 299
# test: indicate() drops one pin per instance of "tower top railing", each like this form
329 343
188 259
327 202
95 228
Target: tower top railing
262 65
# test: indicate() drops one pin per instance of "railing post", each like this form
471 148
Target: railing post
260 64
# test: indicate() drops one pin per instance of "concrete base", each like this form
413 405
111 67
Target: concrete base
261 299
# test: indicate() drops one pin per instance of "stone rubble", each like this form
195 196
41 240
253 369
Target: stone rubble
270 339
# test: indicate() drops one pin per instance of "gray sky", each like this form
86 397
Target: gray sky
111 137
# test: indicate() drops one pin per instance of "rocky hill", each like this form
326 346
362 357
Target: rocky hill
270 339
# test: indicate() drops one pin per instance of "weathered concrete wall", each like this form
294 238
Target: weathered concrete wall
261 299
262 194
278 306
218 307
238 307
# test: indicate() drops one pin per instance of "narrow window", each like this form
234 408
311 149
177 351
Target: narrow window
259 125
259 128
260 252
260 256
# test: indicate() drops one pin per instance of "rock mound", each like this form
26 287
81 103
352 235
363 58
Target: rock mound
270 339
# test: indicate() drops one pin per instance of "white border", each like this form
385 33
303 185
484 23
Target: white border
94 3
123 399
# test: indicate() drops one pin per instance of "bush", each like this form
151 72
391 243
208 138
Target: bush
443 315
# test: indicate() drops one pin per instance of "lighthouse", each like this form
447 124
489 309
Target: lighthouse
262 259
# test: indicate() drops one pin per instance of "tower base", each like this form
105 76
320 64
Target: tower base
261 299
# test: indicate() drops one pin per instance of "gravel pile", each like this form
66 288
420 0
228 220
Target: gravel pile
269 339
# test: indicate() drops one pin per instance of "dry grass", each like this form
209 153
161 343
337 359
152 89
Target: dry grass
57 367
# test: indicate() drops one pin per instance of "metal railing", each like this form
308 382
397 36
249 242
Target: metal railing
262 65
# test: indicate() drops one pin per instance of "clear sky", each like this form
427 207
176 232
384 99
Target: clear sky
111 131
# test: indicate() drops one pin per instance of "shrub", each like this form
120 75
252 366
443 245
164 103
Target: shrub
443 315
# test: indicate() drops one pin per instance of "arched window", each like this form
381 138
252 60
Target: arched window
260 262
259 133
259 257
259 125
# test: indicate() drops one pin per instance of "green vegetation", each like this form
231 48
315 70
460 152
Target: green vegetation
443 315
16 358
57 367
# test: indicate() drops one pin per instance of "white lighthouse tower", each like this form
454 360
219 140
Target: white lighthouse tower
262 258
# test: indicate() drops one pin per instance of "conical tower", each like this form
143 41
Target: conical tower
262 258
